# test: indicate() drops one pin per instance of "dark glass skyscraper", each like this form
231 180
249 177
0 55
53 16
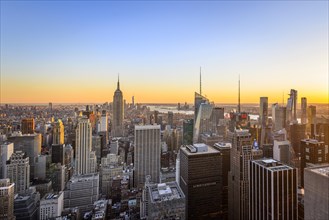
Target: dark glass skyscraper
200 181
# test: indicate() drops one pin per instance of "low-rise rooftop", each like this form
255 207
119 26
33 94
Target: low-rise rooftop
165 192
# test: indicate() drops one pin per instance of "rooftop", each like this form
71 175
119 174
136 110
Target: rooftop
51 196
165 192
322 170
272 164
223 145
146 127
197 149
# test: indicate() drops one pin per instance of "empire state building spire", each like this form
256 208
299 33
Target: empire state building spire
118 84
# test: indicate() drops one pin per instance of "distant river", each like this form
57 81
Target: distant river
166 109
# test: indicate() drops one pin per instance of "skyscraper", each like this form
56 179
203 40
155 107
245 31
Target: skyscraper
117 120
171 119
147 153
304 110
58 132
272 190
57 153
292 107
238 180
224 168
30 144
6 200
200 181
281 151
103 122
27 126
280 118
18 171
202 123
83 156
263 113
198 100
316 193
311 120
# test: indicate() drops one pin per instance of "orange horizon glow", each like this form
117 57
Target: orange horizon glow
150 95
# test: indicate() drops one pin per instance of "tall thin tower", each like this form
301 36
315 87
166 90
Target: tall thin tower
239 106
117 129
200 82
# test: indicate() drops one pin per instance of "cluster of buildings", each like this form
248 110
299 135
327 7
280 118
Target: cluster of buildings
124 161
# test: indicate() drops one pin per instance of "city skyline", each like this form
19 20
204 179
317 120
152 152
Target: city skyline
52 49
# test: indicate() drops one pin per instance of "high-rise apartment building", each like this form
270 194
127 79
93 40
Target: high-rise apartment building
272 190
200 181
6 200
27 126
238 180
316 199
84 158
18 171
147 153
58 132
303 110
117 119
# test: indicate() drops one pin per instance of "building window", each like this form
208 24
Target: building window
307 157
320 159
319 151
307 150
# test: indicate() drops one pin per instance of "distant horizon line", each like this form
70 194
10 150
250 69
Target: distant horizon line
143 103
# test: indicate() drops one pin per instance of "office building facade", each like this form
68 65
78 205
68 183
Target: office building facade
272 190
147 153
200 181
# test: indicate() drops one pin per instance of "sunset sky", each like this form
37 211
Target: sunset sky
73 51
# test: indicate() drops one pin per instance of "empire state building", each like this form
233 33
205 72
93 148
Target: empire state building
117 117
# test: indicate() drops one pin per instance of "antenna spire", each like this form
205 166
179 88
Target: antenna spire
118 84
200 82
239 105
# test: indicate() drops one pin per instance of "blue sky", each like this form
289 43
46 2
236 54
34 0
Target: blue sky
158 47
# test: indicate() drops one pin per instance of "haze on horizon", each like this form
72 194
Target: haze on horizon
72 52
